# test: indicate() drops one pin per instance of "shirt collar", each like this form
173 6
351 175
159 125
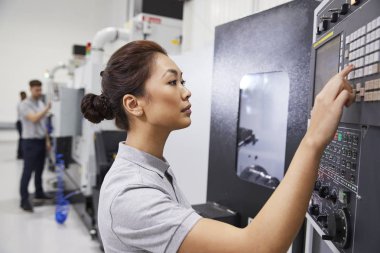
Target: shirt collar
143 159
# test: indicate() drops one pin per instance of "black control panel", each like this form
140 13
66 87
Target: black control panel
345 204
335 12
333 202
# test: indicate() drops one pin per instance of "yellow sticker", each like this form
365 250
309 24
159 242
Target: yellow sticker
329 35
176 42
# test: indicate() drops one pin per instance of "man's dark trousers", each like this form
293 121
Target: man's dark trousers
34 151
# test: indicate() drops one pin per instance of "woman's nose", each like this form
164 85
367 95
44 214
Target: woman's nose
186 93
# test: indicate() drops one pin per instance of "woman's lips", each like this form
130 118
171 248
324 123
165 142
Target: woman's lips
187 109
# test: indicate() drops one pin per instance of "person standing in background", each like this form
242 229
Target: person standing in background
35 143
19 125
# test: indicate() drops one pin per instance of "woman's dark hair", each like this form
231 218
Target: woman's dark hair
22 95
126 73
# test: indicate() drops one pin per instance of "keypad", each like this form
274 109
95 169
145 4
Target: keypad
340 158
363 51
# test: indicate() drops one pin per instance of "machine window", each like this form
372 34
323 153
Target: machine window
262 128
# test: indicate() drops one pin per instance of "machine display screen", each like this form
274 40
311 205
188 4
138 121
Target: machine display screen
327 63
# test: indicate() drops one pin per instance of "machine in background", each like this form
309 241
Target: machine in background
344 208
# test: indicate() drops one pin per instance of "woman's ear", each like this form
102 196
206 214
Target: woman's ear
132 106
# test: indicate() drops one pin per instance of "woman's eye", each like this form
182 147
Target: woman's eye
174 82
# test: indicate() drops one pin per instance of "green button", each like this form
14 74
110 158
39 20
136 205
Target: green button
339 137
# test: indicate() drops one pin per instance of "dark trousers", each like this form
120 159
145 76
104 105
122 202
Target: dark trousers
19 130
34 151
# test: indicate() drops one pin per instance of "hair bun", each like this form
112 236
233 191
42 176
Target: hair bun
96 108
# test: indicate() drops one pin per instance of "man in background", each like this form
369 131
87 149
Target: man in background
19 125
35 143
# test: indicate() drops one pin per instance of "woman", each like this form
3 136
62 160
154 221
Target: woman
141 208
19 125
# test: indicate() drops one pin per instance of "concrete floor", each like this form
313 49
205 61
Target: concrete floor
34 232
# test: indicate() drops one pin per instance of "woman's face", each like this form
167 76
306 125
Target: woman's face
166 104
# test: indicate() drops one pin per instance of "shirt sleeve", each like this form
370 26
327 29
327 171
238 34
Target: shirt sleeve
146 218
24 109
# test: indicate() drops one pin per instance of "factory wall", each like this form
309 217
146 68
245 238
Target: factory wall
201 17
187 149
34 39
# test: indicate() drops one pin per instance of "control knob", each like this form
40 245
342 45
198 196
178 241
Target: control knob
333 18
317 185
338 229
343 10
323 191
333 196
322 219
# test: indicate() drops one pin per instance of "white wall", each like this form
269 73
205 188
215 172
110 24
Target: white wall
201 17
35 35
187 149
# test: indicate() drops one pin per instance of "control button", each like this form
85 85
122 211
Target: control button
332 197
366 70
355 2
345 8
369 27
376 57
342 172
360 62
314 209
323 26
363 29
334 17
366 60
353 166
343 197
352 178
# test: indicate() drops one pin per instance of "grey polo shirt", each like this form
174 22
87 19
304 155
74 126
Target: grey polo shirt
32 130
139 209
